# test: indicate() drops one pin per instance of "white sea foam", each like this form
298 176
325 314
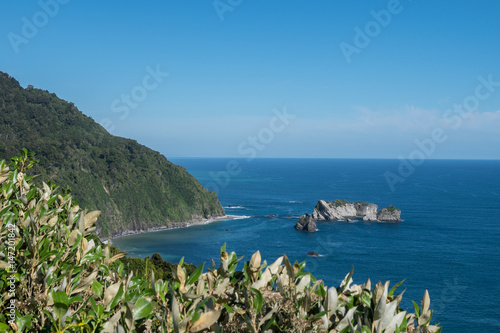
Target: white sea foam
241 217
234 207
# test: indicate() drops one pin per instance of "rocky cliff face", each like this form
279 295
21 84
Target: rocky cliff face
367 210
389 214
333 211
306 223
342 210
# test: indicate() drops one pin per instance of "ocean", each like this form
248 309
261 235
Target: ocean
448 241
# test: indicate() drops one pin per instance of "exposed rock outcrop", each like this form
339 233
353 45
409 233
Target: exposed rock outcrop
333 211
342 210
367 210
389 214
306 223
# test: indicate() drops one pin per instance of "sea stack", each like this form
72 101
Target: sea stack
306 223
342 210
389 214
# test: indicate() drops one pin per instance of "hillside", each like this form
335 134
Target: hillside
135 187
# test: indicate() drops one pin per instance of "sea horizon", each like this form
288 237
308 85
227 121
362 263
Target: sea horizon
326 158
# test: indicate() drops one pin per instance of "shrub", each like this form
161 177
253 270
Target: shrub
391 208
340 202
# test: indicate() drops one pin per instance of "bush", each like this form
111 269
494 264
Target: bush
56 276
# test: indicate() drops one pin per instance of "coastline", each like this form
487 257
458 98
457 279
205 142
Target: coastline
171 226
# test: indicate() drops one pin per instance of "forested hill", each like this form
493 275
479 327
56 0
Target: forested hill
135 187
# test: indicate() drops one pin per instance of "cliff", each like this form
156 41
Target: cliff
135 187
342 210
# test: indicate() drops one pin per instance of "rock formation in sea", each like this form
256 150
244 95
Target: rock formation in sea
389 214
306 223
342 210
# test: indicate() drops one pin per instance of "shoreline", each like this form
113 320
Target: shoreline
172 226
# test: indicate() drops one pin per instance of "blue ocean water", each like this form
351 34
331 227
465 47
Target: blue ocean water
448 242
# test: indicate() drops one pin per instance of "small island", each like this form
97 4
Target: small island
343 210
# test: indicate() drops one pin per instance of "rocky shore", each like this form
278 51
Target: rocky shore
342 210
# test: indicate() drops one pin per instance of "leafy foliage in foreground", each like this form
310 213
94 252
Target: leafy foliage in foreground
161 269
61 278
135 187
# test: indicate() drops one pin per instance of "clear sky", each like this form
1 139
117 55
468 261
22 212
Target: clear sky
362 79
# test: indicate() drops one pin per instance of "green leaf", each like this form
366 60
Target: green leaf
100 310
75 299
417 310
271 322
228 308
258 300
93 306
117 298
395 287
196 275
60 309
142 309
321 292
23 323
366 299
97 288
91 257
4 327
60 297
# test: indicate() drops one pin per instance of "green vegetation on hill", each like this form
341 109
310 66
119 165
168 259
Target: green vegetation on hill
135 187
57 276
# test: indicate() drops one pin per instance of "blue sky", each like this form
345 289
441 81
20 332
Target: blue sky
233 65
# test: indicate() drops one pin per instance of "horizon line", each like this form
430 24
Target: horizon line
329 158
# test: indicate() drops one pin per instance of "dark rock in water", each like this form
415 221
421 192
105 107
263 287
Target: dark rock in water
227 229
306 223
229 206
271 215
313 254
349 220
389 214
